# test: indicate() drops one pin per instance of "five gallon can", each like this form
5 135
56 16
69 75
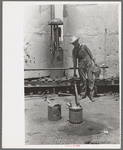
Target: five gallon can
75 114
54 112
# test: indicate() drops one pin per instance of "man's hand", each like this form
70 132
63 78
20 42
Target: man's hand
94 62
75 75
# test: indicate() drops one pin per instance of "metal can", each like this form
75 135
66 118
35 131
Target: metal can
54 112
75 114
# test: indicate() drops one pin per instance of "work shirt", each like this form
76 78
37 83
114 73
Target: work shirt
84 56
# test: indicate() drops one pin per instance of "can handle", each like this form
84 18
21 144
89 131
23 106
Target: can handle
69 104
48 101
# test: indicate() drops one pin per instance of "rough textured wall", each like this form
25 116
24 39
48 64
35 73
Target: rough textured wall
89 23
36 40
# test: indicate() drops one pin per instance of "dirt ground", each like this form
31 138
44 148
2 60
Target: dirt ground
101 123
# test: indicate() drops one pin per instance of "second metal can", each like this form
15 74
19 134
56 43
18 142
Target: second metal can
75 114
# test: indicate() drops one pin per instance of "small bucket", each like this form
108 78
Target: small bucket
75 114
54 112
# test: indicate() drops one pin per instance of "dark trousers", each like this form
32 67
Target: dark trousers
86 85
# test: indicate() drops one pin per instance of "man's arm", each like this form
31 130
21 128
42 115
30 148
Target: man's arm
74 62
90 54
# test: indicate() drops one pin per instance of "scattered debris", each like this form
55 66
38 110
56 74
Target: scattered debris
64 94
114 94
30 134
87 142
31 93
94 142
106 132
90 128
91 142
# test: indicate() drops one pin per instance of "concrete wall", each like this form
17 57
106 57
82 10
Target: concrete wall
89 23
36 40
85 21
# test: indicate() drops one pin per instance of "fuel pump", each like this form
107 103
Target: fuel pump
56 50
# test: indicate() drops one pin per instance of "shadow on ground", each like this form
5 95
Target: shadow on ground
83 129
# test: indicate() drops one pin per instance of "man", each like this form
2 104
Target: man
83 55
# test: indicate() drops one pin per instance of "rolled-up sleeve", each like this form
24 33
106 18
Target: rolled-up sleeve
89 52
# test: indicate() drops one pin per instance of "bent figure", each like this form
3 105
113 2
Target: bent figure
83 55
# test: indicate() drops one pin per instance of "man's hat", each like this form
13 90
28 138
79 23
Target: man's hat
74 39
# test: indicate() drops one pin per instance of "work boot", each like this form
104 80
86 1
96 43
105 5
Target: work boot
82 97
91 97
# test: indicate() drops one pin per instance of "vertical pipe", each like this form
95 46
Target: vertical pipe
52 11
51 37
57 37
105 54
54 36
105 48
59 14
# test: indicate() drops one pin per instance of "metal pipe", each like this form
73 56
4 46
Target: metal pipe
49 69
52 11
51 39
105 48
54 36
57 37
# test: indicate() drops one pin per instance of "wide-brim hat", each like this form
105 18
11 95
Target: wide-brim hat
74 39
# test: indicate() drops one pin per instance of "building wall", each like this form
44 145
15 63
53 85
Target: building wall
90 22
36 40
